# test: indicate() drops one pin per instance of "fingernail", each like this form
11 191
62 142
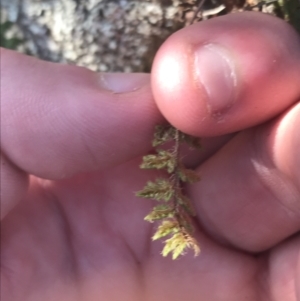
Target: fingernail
123 82
216 72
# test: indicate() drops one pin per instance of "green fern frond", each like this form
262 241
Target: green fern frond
166 227
163 159
178 245
176 215
188 175
160 212
160 190
163 134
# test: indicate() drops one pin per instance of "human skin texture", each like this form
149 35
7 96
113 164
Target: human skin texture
72 141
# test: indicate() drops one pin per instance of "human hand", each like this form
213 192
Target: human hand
75 231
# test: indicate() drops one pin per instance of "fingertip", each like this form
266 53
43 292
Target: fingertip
226 74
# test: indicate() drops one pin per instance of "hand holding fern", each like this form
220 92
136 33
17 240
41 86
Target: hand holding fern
75 231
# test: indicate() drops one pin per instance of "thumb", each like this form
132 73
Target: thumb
227 73
59 120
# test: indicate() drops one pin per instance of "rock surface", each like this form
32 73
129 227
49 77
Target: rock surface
103 35
110 35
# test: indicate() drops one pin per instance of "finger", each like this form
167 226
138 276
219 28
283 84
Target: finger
59 120
282 272
250 190
227 74
14 184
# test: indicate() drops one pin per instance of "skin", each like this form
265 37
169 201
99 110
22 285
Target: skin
71 144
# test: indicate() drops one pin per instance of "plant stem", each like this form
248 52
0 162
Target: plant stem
176 179
197 11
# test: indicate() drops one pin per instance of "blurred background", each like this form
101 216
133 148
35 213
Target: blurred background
114 35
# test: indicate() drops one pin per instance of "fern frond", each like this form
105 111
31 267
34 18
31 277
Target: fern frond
163 159
163 134
160 190
167 227
176 214
178 245
188 175
160 212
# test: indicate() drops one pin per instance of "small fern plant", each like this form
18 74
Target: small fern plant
176 211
